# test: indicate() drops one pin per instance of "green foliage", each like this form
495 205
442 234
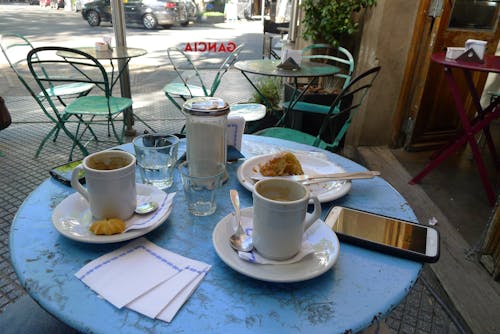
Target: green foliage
328 21
269 87
213 14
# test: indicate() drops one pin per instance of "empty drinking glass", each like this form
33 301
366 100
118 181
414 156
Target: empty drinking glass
156 157
200 190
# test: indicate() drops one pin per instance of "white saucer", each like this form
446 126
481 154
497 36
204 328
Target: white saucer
326 192
72 218
320 236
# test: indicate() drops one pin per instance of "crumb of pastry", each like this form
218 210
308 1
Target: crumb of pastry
108 226
286 163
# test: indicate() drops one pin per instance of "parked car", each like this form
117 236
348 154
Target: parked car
149 13
33 2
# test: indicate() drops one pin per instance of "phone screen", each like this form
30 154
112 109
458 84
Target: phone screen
382 230
63 173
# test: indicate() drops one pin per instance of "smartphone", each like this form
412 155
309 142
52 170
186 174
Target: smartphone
63 173
385 234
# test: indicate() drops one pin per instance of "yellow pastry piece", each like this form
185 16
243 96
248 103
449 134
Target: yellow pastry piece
284 164
108 226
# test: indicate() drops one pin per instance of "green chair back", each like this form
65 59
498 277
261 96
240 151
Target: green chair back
58 65
191 83
15 47
338 56
343 108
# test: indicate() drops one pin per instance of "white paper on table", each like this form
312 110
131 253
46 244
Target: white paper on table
142 221
159 298
169 312
234 131
130 271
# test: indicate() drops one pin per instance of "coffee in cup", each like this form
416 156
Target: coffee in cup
280 217
110 184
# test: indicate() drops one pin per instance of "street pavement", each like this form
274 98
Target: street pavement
425 309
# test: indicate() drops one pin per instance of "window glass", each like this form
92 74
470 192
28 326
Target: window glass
474 14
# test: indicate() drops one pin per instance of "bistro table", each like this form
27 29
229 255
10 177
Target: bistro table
471 127
122 55
268 67
360 288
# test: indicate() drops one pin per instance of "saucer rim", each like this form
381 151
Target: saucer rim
106 239
226 254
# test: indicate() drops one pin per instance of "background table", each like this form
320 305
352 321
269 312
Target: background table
470 127
116 53
122 55
361 287
267 67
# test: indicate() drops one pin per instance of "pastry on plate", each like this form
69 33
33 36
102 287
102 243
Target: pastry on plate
108 226
286 163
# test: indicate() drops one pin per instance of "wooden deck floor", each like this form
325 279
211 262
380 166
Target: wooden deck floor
472 290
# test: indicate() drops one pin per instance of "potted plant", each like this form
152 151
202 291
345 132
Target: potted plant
270 96
331 21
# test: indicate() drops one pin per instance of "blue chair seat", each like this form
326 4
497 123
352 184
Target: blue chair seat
178 88
74 88
293 135
98 105
308 107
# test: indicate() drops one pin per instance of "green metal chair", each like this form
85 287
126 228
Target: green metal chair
325 53
15 47
48 68
343 107
190 82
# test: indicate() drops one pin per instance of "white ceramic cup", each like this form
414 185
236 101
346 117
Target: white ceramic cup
280 217
110 184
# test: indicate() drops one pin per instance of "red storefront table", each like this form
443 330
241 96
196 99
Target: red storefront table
471 127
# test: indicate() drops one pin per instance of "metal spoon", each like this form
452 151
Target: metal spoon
239 240
146 207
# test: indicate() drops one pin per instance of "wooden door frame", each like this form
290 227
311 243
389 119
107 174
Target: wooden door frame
430 25
418 55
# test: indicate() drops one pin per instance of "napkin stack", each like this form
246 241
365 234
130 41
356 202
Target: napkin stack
145 278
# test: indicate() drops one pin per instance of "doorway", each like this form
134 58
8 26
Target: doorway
426 118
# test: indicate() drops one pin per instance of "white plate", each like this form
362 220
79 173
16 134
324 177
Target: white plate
72 218
326 192
321 237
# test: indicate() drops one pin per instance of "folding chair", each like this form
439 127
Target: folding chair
15 47
76 66
191 83
343 107
325 53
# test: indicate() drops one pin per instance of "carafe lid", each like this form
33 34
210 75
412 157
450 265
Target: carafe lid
205 106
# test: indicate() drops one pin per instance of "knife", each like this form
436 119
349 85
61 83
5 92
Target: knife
325 177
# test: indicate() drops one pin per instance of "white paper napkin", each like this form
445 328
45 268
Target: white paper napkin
142 221
234 131
145 278
255 257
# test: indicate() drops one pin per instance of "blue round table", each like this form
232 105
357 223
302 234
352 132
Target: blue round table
361 288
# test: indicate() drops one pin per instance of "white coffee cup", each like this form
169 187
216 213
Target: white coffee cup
110 184
280 217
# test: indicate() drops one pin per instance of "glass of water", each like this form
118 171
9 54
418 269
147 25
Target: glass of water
156 156
200 190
